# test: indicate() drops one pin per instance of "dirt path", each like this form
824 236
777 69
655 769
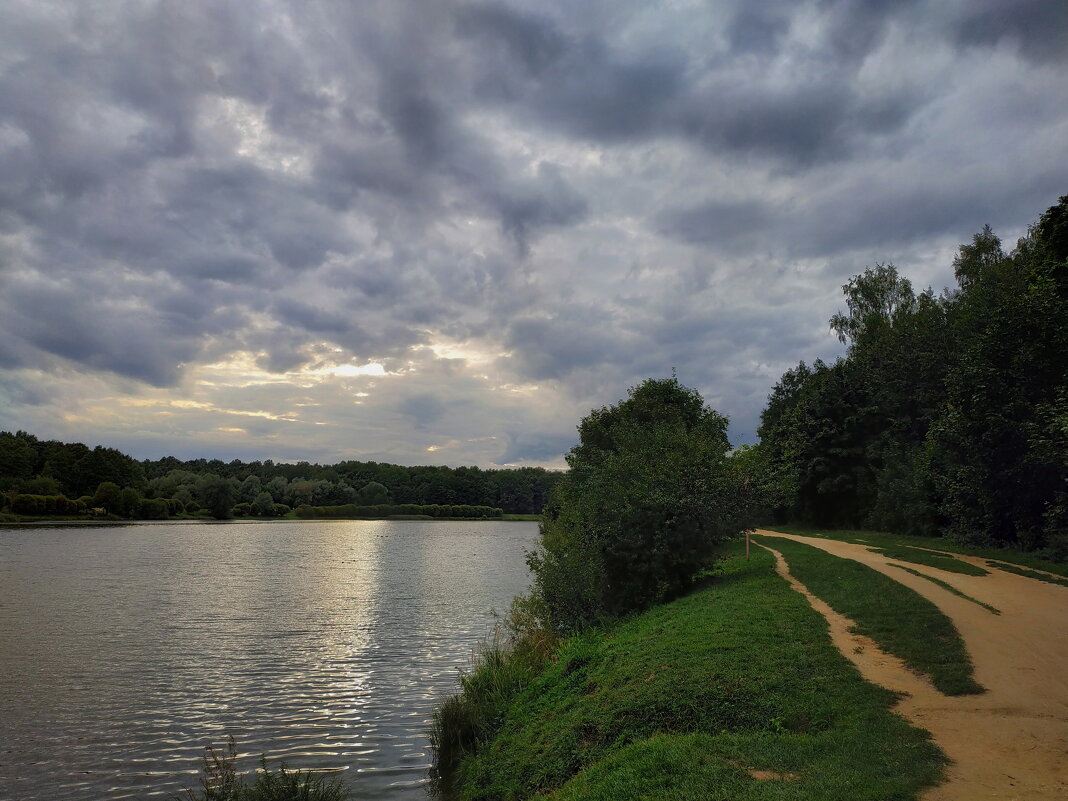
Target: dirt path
1011 743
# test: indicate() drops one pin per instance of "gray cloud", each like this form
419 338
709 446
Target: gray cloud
534 446
1035 28
518 210
423 409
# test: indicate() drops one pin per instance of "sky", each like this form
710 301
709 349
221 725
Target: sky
442 232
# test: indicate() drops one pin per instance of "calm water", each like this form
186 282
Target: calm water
125 650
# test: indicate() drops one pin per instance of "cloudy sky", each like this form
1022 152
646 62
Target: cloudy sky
440 232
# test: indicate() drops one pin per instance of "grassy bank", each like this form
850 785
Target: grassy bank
899 619
882 539
683 701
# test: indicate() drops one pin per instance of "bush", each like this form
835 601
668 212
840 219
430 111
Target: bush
152 509
27 504
222 782
262 505
130 501
648 500
108 497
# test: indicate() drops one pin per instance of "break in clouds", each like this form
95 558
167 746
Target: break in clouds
432 232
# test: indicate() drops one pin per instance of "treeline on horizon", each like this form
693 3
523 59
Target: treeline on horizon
51 477
948 415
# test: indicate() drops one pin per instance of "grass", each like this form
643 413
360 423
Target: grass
882 539
221 782
534 518
919 556
684 700
899 619
948 588
1022 571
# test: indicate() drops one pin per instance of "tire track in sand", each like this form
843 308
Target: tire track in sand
1011 743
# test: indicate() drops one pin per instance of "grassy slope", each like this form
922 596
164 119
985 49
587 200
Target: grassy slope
899 619
882 539
679 702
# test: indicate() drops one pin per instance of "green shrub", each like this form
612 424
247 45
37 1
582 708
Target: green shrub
108 497
152 509
130 500
647 502
23 504
222 782
263 505
27 504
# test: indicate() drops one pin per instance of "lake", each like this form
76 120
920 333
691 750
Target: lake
124 650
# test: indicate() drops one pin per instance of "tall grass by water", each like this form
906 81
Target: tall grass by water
502 666
220 781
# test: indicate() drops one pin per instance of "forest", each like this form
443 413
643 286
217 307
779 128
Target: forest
949 413
51 477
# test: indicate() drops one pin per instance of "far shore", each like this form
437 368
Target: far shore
210 521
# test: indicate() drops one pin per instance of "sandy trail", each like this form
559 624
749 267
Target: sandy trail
1011 742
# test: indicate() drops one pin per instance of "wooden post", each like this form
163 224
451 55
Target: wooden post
747 546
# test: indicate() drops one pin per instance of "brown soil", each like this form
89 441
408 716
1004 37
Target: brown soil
1011 743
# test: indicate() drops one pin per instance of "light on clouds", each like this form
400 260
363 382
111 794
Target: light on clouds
382 231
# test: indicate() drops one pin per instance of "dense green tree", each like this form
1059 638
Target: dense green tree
948 413
263 505
18 458
645 504
249 489
876 300
129 502
372 493
216 494
42 485
108 497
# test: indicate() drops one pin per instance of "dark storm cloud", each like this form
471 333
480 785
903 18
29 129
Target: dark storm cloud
864 214
311 318
581 85
575 196
555 346
569 81
718 222
103 332
534 446
423 409
1036 27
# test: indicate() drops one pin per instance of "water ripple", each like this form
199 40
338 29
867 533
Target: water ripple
124 651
